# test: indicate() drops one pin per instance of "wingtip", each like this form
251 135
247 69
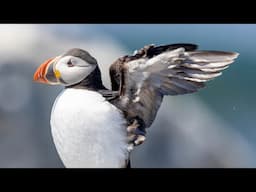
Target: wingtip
236 54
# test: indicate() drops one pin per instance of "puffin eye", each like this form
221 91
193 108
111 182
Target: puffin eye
70 64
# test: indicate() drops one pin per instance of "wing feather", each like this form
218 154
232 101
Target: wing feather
153 72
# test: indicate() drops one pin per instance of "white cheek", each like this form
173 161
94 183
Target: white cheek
72 75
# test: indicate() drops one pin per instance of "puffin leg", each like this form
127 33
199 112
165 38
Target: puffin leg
136 134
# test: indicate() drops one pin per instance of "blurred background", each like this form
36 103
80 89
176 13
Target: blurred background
212 128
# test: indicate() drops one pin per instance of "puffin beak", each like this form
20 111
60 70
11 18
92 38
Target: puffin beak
45 73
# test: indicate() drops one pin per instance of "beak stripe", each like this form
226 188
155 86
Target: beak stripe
39 75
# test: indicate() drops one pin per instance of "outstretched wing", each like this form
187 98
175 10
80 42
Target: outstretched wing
148 51
144 78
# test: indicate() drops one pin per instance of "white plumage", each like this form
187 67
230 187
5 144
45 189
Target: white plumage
88 131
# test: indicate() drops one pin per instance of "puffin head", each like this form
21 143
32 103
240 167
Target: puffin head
68 69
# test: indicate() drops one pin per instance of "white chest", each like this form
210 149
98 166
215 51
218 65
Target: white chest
88 131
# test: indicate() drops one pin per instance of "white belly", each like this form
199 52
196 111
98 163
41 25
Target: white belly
88 131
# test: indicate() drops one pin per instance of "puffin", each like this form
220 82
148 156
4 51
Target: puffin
96 127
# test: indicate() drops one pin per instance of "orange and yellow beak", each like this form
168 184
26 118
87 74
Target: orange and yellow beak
46 73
